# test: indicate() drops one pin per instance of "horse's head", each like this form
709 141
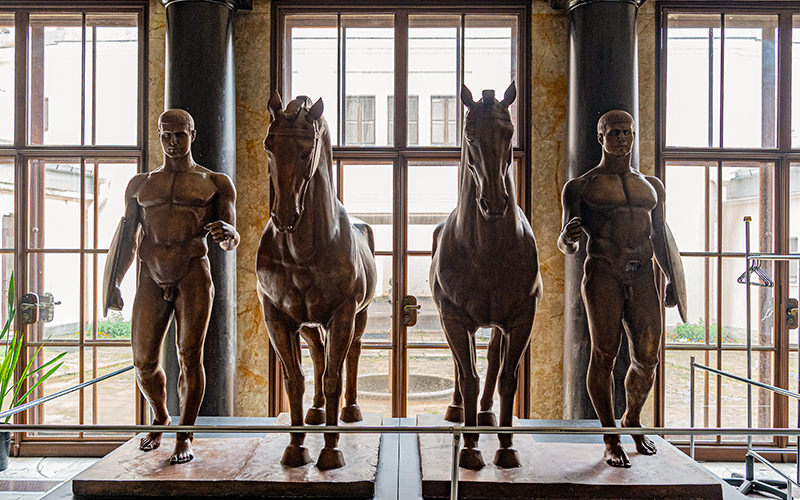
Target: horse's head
487 148
294 144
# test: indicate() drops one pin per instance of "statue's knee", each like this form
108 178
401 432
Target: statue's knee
602 359
145 368
190 360
645 367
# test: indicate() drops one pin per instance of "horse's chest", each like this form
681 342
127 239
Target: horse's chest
303 294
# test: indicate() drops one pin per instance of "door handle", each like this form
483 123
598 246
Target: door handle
791 314
410 309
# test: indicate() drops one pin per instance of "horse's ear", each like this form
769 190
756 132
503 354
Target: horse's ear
510 95
316 110
466 96
275 104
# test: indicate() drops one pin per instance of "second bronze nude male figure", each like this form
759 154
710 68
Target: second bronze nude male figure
169 212
621 212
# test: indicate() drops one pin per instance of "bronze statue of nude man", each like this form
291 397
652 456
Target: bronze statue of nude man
169 212
622 213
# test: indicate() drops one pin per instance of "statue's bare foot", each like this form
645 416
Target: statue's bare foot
615 456
330 458
153 439
315 416
487 419
454 414
295 456
183 451
471 458
351 413
644 445
507 458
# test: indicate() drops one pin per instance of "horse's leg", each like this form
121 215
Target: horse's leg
340 335
486 415
283 336
462 343
351 412
313 337
455 412
515 344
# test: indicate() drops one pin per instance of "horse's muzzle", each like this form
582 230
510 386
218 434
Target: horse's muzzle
289 227
493 211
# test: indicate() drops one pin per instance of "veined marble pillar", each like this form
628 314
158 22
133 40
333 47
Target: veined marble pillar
199 77
603 75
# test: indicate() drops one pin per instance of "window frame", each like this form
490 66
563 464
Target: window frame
23 152
781 156
400 153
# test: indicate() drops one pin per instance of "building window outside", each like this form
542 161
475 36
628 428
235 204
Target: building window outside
359 125
725 151
412 111
443 119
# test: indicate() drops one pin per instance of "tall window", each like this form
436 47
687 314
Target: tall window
360 122
404 180
72 110
729 148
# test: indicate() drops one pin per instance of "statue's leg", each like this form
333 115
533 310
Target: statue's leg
340 336
455 412
150 319
486 415
195 296
351 412
313 337
284 338
604 298
462 344
514 345
642 320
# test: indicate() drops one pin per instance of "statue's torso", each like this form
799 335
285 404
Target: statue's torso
175 207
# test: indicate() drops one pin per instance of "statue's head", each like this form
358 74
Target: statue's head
176 132
294 142
487 148
615 133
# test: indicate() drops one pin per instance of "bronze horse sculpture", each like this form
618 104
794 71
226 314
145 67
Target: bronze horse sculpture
316 272
485 271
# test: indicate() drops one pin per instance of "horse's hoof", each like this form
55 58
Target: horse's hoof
330 458
507 458
351 413
454 414
315 416
487 419
471 458
295 456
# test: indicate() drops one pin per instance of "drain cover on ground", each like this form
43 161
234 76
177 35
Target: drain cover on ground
27 485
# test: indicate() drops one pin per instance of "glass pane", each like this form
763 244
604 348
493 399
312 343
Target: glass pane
310 51
59 276
747 190
369 71
429 327
117 77
66 409
374 393
691 190
693 80
432 195
796 84
734 310
701 309
117 325
112 401
7 54
7 202
432 67
734 393
54 79
431 381
794 237
490 56
750 81
105 197
368 194
54 204
677 394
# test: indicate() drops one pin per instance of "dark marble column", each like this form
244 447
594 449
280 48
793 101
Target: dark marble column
199 77
602 76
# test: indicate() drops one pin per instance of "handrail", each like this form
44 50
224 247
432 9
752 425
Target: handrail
55 395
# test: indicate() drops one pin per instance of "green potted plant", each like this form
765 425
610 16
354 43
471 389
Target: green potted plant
11 392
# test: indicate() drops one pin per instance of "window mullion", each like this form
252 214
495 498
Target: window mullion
400 79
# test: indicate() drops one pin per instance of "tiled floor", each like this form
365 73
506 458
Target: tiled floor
37 476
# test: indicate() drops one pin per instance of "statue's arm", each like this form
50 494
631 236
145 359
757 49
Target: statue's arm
123 247
223 230
571 217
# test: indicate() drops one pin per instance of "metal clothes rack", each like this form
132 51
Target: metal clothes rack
749 482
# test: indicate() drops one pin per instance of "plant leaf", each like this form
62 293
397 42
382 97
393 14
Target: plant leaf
11 297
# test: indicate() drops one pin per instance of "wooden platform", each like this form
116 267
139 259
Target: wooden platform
235 467
562 469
